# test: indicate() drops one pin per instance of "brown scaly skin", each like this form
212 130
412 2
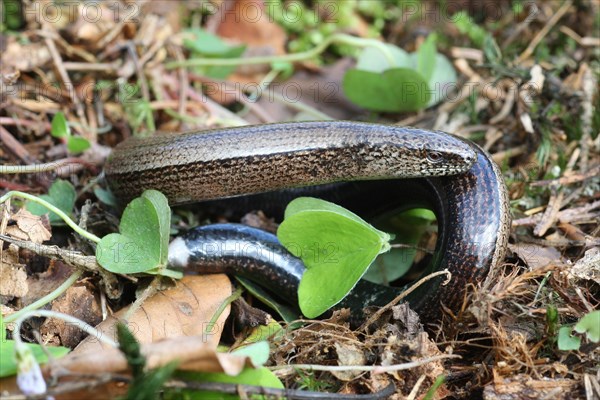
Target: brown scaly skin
456 179
221 163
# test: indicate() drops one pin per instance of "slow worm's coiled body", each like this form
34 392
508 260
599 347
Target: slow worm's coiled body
456 179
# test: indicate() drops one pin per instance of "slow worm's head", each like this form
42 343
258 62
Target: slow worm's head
432 153
445 154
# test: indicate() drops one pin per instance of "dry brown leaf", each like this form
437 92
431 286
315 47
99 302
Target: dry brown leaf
574 80
170 11
16 233
536 256
258 219
32 225
184 310
193 353
248 22
111 390
171 326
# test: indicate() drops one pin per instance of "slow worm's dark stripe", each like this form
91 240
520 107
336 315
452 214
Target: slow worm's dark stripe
471 207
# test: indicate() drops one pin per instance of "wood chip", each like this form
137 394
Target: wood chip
13 278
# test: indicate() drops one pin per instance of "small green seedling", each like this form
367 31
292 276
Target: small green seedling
60 129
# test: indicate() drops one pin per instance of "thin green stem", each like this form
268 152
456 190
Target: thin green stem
339 38
170 273
267 80
46 299
431 392
57 211
234 296
541 286
90 330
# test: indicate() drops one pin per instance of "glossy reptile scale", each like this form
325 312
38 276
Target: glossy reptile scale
385 168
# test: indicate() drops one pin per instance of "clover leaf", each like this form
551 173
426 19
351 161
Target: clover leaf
59 127
426 57
394 90
77 144
398 81
336 247
61 195
567 342
141 245
590 325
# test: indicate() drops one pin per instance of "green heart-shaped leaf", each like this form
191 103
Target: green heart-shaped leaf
443 78
336 247
60 128
426 57
567 342
160 202
61 195
590 325
372 59
313 204
205 43
394 90
399 81
258 352
141 245
77 144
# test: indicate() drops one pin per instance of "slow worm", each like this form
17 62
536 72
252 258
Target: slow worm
385 167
